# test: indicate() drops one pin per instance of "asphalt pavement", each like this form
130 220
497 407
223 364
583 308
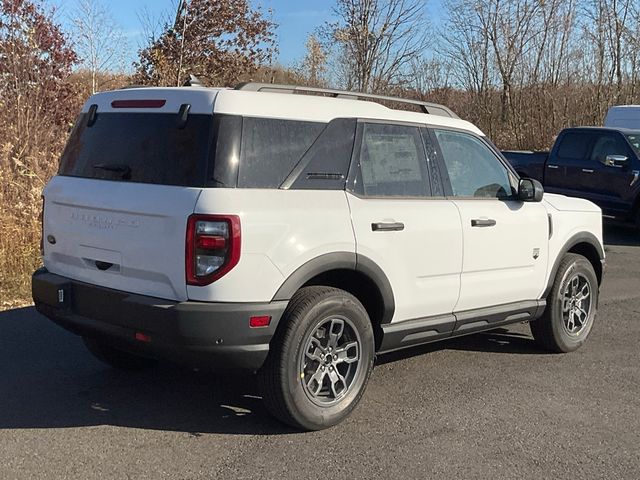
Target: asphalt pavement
486 406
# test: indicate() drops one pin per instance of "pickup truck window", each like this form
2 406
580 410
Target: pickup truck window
634 141
608 144
574 145
474 171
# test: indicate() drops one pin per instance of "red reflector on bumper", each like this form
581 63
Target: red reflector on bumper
141 337
261 321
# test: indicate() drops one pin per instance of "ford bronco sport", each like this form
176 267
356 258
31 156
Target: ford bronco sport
297 233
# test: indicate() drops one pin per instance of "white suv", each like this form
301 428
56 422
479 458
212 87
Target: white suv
297 232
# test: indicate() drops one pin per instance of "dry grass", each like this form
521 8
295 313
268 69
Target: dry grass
19 257
23 173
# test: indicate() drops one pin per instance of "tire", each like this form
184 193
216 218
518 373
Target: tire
305 384
117 358
571 307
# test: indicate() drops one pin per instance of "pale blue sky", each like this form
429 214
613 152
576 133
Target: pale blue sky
295 19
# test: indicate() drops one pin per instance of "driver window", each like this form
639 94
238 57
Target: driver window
608 145
474 170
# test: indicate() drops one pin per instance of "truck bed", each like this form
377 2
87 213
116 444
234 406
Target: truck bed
527 163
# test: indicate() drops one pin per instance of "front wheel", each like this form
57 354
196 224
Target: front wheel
571 306
320 360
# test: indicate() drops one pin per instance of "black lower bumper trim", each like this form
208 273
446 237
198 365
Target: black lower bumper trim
198 334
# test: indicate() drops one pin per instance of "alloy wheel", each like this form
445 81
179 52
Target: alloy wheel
330 360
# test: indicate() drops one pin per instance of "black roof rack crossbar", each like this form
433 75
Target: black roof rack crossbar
426 107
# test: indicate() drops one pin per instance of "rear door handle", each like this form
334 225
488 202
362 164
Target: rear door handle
387 227
587 170
482 222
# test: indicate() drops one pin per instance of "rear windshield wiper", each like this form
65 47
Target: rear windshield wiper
125 170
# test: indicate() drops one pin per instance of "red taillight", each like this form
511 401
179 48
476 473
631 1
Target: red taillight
212 247
142 337
138 103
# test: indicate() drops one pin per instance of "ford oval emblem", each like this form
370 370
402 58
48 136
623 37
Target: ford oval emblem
51 239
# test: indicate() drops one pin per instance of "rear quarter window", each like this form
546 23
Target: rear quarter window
271 148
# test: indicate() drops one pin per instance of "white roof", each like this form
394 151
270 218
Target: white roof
268 104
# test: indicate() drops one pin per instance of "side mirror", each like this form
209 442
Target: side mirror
530 190
617 161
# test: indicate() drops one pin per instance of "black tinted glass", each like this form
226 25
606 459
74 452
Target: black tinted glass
574 145
271 148
392 162
634 141
139 147
608 144
326 164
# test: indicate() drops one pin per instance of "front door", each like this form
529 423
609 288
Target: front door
609 185
505 241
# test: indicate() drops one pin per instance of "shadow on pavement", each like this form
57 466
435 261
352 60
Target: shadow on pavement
49 380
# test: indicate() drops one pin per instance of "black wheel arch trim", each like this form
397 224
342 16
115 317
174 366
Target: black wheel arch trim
582 237
340 261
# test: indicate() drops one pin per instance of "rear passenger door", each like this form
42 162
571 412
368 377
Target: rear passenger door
505 240
568 163
414 237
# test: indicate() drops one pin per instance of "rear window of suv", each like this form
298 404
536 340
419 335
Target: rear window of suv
139 147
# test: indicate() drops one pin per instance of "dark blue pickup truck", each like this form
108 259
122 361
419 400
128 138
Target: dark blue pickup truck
599 164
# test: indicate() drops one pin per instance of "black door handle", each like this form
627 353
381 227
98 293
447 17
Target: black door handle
387 227
479 222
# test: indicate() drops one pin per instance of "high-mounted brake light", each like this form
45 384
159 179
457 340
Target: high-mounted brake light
212 247
138 103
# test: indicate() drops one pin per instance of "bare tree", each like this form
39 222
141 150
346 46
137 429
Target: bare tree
611 30
375 42
100 43
314 63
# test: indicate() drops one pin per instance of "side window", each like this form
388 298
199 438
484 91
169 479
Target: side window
326 164
634 141
574 145
474 170
271 148
608 144
392 161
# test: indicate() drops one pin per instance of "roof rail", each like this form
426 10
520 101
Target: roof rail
426 107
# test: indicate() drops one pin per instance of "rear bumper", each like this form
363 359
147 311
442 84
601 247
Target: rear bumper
198 334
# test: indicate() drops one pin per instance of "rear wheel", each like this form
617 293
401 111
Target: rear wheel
320 361
117 358
571 306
